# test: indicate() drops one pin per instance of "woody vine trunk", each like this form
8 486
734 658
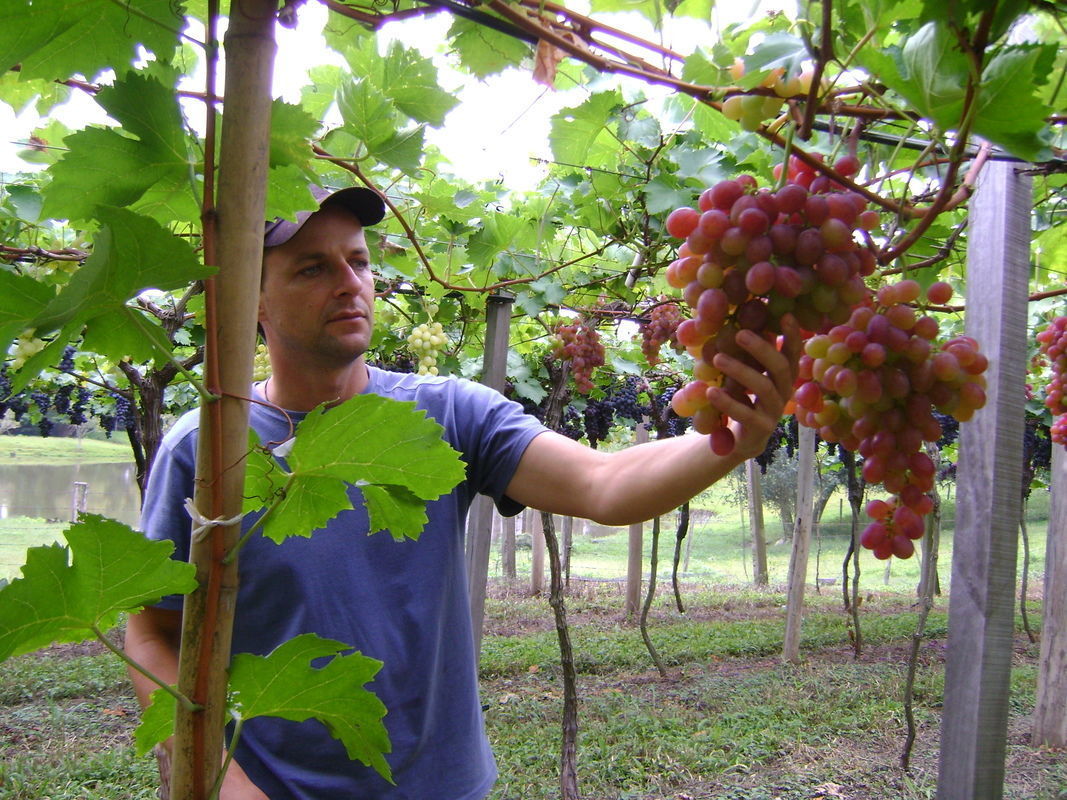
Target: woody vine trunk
223 439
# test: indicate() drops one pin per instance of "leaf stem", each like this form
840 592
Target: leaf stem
162 684
217 788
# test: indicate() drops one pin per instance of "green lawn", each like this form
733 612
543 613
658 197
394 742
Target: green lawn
61 450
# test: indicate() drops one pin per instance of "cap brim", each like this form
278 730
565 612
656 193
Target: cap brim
364 204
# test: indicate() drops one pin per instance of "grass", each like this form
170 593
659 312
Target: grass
730 721
17 534
719 551
61 450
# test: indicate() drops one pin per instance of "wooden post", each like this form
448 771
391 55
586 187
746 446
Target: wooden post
480 516
567 543
507 548
755 518
79 492
982 596
532 524
1050 710
635 555
798 558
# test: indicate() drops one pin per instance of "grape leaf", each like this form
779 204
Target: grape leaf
575 130
1009 114
56 39
285 684
127 331
66 591
130 254
291 127
368 115
107 167
404 76
21 299
157 721
392 451
484 51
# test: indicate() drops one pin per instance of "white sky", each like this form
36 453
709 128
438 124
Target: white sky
499 125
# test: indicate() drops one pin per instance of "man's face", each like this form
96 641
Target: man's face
317 295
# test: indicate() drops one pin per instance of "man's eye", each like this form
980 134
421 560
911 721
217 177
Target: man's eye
311 271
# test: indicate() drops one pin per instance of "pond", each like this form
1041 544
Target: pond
52 491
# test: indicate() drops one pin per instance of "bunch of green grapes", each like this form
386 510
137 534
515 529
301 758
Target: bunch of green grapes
426 340
261 363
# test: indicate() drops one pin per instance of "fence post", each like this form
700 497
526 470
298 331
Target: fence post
981 608
480 516
636 555
79 490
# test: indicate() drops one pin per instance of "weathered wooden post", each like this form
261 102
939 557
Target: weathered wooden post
756 524
532 525
635 554
798 558
982 596
480 517
1050 710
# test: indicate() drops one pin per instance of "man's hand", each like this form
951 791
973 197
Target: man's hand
770 389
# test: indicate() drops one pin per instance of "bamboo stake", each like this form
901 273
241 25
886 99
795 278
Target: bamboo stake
223 437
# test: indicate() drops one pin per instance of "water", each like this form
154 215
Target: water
50 491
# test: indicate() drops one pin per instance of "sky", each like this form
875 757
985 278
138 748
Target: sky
499 128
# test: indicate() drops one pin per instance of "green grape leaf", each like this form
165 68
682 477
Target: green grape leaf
25 201
403 150
56 39
291 127
285 684
403 76
127 331
498 233
484 51
368 115
935 74
410 79
264 477
1009 113
67 591
157 722
21 299
105 166
380 445
318 95
130 254
574 130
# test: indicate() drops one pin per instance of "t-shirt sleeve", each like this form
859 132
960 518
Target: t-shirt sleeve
495 432
163 516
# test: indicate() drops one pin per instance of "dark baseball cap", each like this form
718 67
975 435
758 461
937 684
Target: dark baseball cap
364 204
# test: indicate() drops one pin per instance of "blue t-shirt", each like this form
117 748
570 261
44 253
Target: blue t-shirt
404 603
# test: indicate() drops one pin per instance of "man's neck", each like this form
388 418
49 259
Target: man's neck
304 390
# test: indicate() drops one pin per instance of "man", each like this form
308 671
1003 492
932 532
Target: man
404 603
